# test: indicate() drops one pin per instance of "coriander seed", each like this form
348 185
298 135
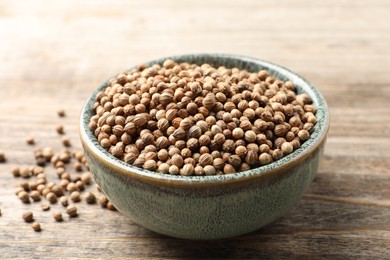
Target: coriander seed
30 140
90 198
57 216
2 157
45 207
64 201
60 129
61 113
75 196
28 216
36 226
71 210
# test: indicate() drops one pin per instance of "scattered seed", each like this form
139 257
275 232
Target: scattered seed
64 201
36 226
28 216
75 196
60 129
57 216
61 113
90 198
66 141
2 157
71 210
30 140
45 207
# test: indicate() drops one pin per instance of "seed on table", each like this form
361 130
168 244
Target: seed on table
287 148
66 141
35 195
80 185
36 226
86 178
30 140
64 201
15 171
24 185
75 196
2 157
103 201
51 197
38 169
28 216
57 216
60 129
71 187
61 113
71 210
24 197
45 207
110 206
90 198
25 172
18 190
33 185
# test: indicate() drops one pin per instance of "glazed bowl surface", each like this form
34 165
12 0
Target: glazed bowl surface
210 207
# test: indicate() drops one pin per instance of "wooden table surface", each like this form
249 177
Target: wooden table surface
54 53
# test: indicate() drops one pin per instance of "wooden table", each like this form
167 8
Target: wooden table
54 53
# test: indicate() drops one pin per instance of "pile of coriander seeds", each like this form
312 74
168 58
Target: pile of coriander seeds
56 178
189 119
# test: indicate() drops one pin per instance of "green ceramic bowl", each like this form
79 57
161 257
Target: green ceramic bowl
210 207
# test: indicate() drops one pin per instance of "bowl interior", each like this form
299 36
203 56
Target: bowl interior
317 137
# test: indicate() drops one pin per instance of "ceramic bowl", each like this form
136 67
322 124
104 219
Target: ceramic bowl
210 207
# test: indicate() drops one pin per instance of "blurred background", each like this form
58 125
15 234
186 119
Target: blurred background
73 41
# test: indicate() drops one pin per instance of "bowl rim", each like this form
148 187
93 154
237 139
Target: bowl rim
315 142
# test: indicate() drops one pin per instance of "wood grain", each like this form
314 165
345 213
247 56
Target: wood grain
53 54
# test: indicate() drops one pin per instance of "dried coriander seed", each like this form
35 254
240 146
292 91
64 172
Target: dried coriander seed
30 140
90 198
61 113
15 171
36 226
45 207
75 196
103 201
57 216
2 157
24 197
71 210
60 129
35 195
225 112
28 216
66 141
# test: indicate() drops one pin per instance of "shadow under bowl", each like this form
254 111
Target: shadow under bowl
210 207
